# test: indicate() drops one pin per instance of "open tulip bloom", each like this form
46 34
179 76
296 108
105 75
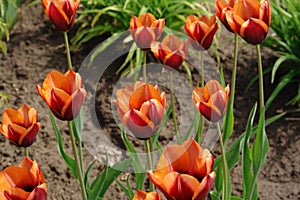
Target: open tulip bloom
145 29
184 171
20 126
142 195
221 7
23 182
61 12
141 108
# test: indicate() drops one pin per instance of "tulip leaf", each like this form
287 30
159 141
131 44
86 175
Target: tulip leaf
77 124
228 122
68 160
128 189
214 195
87 174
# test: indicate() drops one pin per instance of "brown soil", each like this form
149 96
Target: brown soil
36 48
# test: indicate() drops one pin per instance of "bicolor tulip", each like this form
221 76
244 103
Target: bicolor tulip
61 12
250 19
142 195
211 100
145 29
201 30
221 7
20 126
184 171
63 93
141 108
171 51
23 182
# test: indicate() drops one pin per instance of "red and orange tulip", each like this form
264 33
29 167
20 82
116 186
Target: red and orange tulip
145 29
20 126
184 171
61 12
63 93
142 195
141 108
250 19
171 51
201 30
211 100
221 7
23 182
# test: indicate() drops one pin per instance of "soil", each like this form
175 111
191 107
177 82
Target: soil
36 48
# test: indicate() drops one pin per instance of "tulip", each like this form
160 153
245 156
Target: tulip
221 7
23 182
142 195
145 29
63 93
20 126
61 12
171 51
141 108
201 30
184 171
211 100
250 19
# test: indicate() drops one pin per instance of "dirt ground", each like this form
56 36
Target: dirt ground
36 48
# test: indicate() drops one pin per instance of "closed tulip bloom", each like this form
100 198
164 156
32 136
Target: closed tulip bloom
201 30
142 195
211 100
20 126
184 171
250 19
23 182
63 93
145 29
61 12
141 108
221 7
171 51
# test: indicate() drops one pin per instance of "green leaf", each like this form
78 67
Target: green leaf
87 174
68 160
228 122
127 190
77 125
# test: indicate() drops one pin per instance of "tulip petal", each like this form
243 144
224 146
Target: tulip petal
58 17
18 177
265 12
58 99
204 187
234 21
153 110
39 193
27 139
143 37
210 112
73 104
55 79
208 38
16 194
12 116
254 31
146 19
175 59
15 132
247 9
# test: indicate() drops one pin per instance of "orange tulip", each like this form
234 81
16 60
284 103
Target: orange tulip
201 30
141 108
221 7
25 182
61 12
250 19
211 100
20 126
171 51
145 29
184 171
63 93
142 195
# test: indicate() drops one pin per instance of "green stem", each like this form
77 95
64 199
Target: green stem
225 195
202 67
77 162
260 79
173 109
252 186
149 149
26 152
201 125
68 50
145 66
233 75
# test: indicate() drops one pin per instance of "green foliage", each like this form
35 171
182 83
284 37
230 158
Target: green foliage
111 16
286 41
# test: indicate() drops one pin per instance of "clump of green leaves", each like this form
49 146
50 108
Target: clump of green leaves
286 41
113 16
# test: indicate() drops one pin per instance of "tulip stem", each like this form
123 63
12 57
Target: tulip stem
26 152
201 125
145 67
261 81
225 166
173 109
68 50
149 149
77 162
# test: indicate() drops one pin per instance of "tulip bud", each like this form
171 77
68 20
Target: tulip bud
171 51
61 12
20 126
201 31
63 93
145 29
211 100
